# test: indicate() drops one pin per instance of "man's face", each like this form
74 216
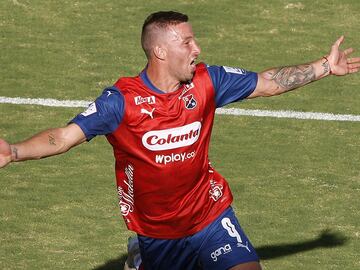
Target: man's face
182 51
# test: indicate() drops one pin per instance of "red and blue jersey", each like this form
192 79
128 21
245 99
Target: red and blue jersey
167 188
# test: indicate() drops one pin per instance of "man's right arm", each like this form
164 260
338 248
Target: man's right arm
44 144
102 117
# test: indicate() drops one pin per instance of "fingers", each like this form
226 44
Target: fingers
354 67
353 64
353 60
353 70
341 64
348 51
339 41
335 47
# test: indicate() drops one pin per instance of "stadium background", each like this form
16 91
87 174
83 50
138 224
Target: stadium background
296 183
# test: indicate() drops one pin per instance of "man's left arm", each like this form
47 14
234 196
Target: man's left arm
276 81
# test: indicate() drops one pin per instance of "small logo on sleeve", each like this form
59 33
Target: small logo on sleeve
90 110
235 70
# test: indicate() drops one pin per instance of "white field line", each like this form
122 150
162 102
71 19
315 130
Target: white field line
45 102
228 111
291 114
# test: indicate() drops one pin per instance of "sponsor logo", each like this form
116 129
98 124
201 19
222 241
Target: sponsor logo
220 251
126 196
190 102
230 228
140 100
235 70
187 87
215 190
109 93
90 110
181 157
158 140
150 113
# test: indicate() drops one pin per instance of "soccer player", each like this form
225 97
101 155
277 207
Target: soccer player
159 124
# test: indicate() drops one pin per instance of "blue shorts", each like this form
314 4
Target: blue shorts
219 246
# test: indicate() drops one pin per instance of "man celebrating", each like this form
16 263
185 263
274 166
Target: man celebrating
159 124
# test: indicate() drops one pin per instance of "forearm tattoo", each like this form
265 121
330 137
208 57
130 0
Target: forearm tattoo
294 76
326 66
15 152
51 139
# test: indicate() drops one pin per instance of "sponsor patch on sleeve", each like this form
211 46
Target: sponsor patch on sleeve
235 70
90 110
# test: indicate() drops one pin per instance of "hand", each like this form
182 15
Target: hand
340 63
5 153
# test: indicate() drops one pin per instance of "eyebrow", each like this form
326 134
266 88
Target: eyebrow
188 38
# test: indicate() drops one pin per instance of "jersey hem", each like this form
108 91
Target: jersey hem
193 230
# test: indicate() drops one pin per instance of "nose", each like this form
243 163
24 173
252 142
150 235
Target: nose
196 49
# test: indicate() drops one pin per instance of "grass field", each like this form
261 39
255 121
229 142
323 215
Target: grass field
296 183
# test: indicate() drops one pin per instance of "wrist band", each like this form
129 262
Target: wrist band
327 60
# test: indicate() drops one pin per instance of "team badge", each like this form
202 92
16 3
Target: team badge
215 191
190 102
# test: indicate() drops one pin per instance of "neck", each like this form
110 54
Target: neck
161 79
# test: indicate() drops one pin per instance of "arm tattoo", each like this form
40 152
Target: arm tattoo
326 66
15 153
51 139
294 76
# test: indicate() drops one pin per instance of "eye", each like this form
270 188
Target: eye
187 41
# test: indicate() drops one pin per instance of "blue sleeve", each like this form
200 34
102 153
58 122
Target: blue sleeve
231 84
102 116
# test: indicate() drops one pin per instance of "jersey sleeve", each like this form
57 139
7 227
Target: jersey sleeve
103 115
231 84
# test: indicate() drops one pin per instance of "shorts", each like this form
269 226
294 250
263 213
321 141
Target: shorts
219 246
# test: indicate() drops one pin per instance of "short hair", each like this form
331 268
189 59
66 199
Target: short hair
160 20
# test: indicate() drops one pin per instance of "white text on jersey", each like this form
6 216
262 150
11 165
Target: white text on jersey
181 157
158 140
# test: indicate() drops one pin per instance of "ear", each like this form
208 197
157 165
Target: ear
160 52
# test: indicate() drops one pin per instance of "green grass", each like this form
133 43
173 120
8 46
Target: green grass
292 179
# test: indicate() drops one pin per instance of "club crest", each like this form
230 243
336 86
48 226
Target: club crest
190 102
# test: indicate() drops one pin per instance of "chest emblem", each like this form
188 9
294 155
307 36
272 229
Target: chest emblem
150 113
190 102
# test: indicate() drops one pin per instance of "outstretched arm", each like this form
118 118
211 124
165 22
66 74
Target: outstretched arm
276 81
46 143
